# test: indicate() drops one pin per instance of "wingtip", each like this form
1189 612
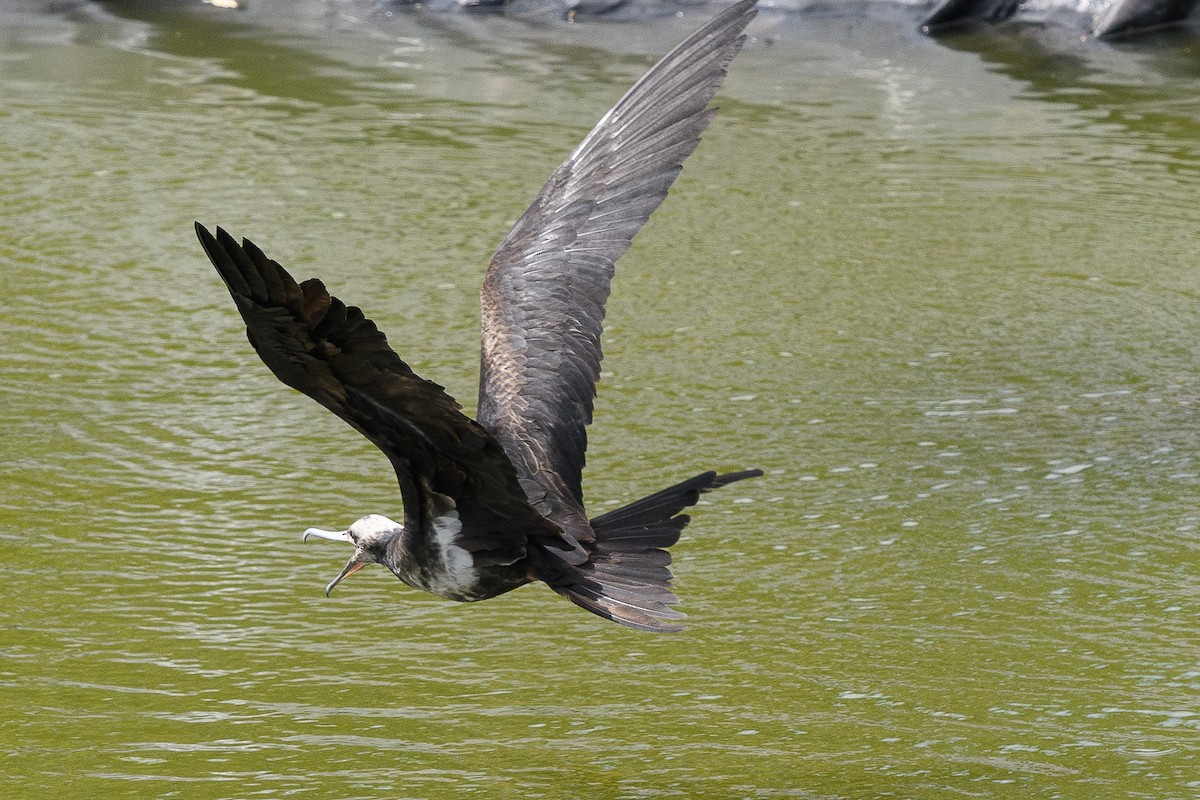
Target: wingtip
220 239
733 477
748 9
202 233
225 239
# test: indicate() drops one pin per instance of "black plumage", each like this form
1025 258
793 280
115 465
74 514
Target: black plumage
494 504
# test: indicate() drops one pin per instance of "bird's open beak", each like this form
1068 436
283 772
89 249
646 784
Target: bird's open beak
354 566
356 563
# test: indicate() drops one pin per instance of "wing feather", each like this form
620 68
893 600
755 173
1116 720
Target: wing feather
333 353
544 293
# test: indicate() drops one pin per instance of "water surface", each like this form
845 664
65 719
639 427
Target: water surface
945 294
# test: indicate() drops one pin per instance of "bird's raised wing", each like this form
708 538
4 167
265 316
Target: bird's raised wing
331 352
544 293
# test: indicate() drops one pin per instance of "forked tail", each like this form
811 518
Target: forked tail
628 578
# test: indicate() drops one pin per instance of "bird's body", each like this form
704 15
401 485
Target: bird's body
490 505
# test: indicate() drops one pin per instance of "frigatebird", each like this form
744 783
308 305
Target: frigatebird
494 503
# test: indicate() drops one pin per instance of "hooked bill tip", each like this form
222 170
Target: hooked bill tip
352 567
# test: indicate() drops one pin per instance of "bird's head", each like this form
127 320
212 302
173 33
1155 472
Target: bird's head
370 537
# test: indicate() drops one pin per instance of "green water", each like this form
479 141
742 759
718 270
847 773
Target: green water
944 294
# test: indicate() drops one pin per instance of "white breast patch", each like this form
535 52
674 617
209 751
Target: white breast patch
458 576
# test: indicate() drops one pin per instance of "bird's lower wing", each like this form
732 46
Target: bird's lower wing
331 352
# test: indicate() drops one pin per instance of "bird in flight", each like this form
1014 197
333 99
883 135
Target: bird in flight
494 503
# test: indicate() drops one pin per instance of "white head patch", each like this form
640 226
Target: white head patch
372 526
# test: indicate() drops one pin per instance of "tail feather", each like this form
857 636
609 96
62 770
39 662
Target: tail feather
627 615
634 572
630 592
626 578
661 506
640 538
628 559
